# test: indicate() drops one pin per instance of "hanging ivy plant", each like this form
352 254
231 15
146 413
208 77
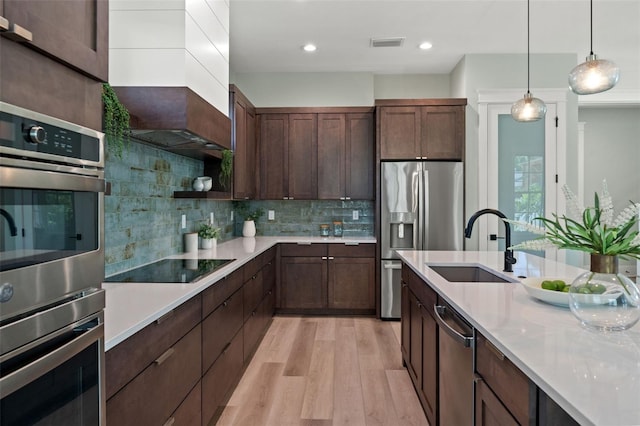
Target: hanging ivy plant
116 121
226 168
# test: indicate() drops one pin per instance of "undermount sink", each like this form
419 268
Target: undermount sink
468 274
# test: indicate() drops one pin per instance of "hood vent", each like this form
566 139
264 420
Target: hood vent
176 119
387 42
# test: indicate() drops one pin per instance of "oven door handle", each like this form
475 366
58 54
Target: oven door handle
38 179
30 372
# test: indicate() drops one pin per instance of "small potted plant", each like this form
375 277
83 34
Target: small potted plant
250 217
209 235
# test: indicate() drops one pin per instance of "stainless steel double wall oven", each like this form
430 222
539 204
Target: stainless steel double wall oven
51 268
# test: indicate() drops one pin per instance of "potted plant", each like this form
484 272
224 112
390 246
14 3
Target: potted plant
226 169
250 217
606 237
209 234
116 121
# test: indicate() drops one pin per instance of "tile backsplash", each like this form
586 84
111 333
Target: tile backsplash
142 219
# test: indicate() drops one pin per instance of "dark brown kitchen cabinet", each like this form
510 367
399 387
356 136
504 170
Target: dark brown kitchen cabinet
419 333
427 129
326 278
288 156
243 138
488 408
74 33
345 156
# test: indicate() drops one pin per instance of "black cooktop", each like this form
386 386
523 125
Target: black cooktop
170 271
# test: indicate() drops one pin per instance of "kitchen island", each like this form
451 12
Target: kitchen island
593 376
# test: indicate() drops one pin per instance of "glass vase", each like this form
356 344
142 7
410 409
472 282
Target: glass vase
603 299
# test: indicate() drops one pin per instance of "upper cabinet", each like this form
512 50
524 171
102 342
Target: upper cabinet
425 129
243 138
345 156
74 33
316 153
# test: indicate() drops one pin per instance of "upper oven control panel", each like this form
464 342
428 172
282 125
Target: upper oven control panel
31 135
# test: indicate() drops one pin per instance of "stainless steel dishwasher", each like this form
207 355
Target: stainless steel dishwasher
455 357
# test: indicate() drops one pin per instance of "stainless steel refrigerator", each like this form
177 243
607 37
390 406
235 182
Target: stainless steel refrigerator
421 209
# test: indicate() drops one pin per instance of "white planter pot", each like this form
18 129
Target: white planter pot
249 228
209 243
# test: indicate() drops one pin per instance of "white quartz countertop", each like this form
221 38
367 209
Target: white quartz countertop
594 376
132 306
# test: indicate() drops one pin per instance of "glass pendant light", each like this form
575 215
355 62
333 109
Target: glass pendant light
594 75
528 108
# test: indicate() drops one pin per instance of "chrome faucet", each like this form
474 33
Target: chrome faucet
12 223
508 253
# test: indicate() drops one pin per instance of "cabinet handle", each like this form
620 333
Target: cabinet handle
497 352
477 378
343 198
18 33
352 243
4 23
226 348
290 198
465 341
331 258
419 304
253 277
253 314
404 284
347 198
304 243
164 317
225 303
165 356
324 257
170 422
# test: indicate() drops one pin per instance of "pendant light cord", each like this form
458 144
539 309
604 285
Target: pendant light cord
591 26
528 66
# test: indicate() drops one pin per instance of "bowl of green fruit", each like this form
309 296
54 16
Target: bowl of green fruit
554 290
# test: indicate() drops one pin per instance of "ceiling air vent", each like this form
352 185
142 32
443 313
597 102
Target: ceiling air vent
387 42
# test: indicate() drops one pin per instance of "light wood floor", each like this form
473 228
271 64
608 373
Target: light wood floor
326 371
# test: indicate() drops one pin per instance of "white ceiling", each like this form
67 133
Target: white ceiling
267 35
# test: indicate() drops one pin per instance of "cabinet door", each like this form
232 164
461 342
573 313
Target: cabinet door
351 283
303 157
359 156
273 140
244 156
442 132
489 409
303 283
331 156
400 132
405 321
429 377
72 32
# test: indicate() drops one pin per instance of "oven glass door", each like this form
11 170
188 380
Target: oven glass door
44 225
58 382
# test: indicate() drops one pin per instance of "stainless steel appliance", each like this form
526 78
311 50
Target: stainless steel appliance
51 268
421 209
455 378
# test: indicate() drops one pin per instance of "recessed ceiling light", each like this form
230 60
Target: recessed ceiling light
425 45
309 47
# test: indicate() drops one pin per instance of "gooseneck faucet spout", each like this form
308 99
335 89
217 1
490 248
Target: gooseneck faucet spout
508 253
12 224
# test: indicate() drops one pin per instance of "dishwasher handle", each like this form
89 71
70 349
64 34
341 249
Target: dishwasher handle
440 310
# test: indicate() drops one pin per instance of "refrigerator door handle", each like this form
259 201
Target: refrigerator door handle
392 265
425 214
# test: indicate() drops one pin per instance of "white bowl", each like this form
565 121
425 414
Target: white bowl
533 286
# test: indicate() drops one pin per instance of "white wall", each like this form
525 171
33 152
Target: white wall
182 43
411 86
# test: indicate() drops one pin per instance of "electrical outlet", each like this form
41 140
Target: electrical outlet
183 221
355 214
231 216
211 218
272 215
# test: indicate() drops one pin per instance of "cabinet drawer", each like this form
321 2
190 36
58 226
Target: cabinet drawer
220 291
155 393
252 293
189 412
219 328
220 379
269 277
252 268
268 256
506 380
126 360
303 250
423 292
347 250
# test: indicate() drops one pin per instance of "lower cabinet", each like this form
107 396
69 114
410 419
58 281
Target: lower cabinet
327 278
419 340
182 368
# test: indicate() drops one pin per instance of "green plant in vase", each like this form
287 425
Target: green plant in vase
116 121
